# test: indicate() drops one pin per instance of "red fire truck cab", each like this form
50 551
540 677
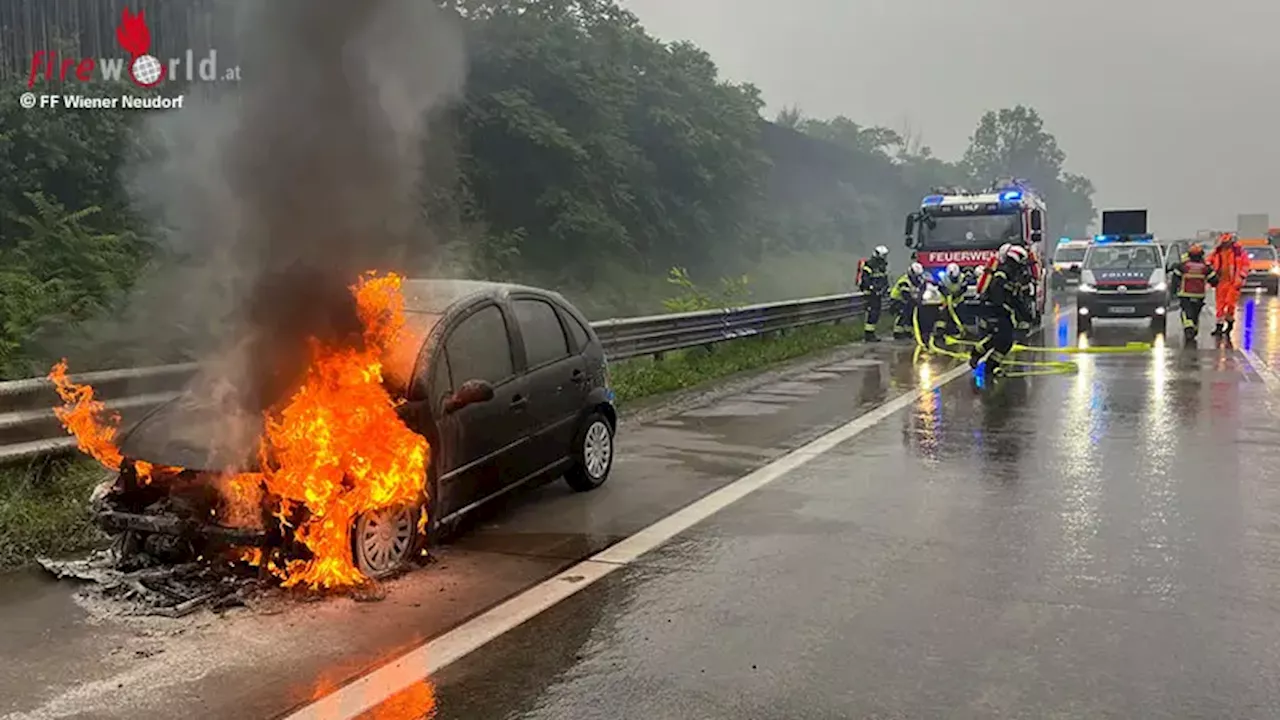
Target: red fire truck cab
968 228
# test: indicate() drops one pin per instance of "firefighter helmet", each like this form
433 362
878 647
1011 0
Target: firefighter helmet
1195 250
953 272
1018 254
916 270
881 251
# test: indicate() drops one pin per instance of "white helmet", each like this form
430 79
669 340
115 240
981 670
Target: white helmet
1018 254
1003 252
953 272
916 270
881 251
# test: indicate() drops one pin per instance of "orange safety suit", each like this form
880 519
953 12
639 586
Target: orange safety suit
1231 264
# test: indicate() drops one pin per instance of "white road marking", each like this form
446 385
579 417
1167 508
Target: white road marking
378 686
1262 370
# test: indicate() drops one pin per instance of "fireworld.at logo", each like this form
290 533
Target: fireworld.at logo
144 69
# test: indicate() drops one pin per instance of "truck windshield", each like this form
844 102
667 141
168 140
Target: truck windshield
1261 253
1069 254
969 231
1123 257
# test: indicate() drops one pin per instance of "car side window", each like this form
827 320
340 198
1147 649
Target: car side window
544 338
580 339
479 349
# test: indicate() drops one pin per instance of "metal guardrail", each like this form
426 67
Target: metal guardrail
29 429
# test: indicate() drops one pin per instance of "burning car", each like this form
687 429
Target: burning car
472 390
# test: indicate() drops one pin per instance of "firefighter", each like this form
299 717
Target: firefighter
1022 278
903 299
1231 265
873 279
953 284
998 293
1191 277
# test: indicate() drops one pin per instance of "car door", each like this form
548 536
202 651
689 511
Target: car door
555 379
486 438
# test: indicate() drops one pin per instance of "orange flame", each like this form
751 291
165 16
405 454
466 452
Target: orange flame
337 448
89 420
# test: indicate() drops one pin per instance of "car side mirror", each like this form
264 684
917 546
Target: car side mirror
1037 221
1037 236
907 227
470 393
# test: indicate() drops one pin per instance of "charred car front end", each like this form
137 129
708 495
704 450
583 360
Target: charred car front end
191 484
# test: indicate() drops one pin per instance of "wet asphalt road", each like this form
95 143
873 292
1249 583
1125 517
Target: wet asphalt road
1099 545
1104 545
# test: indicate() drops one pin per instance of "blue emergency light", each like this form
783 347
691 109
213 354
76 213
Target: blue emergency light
1011 196
932 200
1106 239
1064 239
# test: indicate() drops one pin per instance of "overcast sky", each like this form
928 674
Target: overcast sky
1171 106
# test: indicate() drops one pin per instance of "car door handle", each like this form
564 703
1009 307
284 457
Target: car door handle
519 402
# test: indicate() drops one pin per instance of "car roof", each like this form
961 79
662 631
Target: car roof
436 295
430 301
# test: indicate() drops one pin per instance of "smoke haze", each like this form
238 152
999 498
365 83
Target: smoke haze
1163 108
278 195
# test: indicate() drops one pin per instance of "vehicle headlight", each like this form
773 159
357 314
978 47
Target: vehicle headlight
1086 287
1275 269
1160 287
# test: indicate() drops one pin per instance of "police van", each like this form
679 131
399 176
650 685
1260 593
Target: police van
1123 277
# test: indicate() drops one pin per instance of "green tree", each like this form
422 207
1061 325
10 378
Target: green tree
591 140
1013 142
1075 205
844 132
55 270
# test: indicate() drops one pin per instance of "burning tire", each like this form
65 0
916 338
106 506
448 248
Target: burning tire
592 454
383 541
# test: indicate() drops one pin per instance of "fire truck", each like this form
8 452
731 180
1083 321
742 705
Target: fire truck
968 228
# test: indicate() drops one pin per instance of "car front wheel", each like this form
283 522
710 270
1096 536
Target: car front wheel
592 454
383 541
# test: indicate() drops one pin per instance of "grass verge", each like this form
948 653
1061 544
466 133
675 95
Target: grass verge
644 377
44 510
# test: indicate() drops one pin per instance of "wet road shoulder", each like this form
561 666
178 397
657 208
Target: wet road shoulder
1100 545
256 664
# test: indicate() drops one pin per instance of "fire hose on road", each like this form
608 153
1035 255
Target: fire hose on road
1019 367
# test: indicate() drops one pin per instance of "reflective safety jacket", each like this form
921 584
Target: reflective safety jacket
873 275
997 289
1230 263
904 290
1191 277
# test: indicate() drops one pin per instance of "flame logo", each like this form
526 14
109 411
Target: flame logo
133 34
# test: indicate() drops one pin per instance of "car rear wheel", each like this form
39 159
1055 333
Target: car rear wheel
592 454
383 541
